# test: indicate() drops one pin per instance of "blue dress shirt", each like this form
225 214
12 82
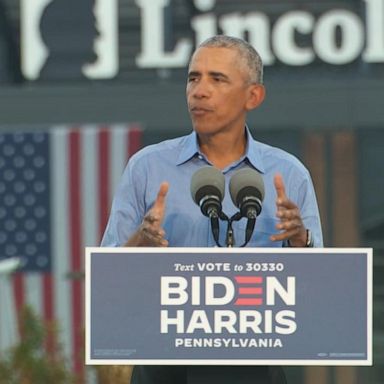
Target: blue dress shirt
175 161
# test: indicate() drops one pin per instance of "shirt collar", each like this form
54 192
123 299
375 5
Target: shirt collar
189 150
253 151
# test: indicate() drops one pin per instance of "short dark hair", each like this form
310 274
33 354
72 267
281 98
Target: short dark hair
247 52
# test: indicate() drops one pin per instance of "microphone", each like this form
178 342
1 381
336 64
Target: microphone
207 190
247 192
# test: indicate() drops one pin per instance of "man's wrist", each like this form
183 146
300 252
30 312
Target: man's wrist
310 241
307 243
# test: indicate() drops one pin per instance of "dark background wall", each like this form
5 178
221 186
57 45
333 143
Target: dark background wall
330 116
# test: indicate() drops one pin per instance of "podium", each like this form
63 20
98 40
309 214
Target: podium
228 307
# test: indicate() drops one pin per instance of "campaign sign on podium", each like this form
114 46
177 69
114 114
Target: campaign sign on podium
229 306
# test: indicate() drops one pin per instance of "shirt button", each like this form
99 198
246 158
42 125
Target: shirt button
200 157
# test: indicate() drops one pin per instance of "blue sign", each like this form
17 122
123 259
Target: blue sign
229 306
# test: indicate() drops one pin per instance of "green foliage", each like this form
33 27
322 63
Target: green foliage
30 361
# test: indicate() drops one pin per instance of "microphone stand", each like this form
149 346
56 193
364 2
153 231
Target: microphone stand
214 219
230 238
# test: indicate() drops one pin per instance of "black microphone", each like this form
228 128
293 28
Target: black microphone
247 192
207 190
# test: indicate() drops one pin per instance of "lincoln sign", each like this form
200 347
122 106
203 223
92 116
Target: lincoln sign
337 36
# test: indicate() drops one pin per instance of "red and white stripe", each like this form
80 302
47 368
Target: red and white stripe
86 165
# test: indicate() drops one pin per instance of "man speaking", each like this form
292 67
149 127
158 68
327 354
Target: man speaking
153 204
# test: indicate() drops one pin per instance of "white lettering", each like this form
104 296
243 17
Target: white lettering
225 320
287 295
199 320
286 321
337 36
165 321
374 52
250 320
258 27
214 267
283 38
352 37
173 286
152 38
214 282
196 290
204 27
228 343
204 5
268 321
242 322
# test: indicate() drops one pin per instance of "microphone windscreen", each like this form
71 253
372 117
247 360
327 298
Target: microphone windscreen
207 181
246 182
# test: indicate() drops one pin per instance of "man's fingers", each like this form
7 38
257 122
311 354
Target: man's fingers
286 235
282 199
289 213
156 213
164 243
288 225
161 196
290 222
154 237
154 232
279 186
151 218
285 204
151 229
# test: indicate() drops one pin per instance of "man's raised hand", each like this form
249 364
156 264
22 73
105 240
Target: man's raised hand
150 233
290 224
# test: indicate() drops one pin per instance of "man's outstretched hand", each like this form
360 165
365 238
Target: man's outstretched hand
291 225
150 233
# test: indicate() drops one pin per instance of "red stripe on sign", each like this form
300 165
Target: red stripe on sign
134 139
249 302
250 291
249 279
76 252
18 292
104 139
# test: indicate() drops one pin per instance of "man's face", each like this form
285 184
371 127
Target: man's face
217 91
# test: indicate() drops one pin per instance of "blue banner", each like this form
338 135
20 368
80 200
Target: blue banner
229 306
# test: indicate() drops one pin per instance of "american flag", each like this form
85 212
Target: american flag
55 194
